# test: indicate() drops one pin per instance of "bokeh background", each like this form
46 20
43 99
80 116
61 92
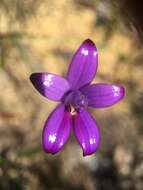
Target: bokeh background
42 36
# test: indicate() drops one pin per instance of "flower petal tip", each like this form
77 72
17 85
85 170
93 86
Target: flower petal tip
89 44
123 91
45 150
89 41
53 152
91 152
31 77
34 78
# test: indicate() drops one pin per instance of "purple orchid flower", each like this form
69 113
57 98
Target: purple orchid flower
75 94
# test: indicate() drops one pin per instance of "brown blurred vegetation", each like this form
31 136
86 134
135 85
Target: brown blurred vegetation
42 36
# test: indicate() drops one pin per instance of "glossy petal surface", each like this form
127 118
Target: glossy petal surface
103 95
86 132
50 85
83 65
56 130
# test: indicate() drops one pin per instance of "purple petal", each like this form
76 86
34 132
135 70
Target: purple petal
50 85
86 131
83 65
103 95
56 130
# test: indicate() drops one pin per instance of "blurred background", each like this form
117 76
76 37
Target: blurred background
40 36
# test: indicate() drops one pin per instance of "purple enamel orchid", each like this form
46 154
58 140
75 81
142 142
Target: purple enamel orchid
76 94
